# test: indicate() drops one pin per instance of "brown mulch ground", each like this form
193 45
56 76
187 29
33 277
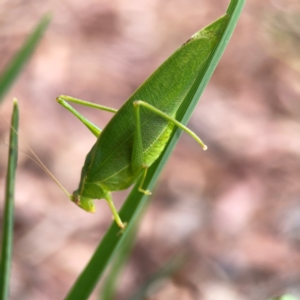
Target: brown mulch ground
234 209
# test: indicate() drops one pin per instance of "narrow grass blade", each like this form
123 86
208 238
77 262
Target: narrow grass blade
285 297
170 267
16 64
111 282
135 202
8 218
117 265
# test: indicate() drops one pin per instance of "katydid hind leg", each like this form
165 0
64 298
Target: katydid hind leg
137 150
137 161
146 192
160 113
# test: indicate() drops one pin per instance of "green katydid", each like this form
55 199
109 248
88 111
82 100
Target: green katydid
138 132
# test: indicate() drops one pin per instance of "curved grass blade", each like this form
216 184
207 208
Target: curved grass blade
8 218
16 64
135 202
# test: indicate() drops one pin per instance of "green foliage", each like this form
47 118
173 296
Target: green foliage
113 242
8 218
170 267
14 67
285 297
135 202
8 76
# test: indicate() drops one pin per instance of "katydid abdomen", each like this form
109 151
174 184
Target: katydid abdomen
122 178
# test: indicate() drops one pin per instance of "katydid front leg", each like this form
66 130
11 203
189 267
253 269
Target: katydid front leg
96 131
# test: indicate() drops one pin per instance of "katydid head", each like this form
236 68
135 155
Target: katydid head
85 203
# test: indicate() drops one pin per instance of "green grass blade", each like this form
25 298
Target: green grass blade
117 265
16 64
135 202
170 267
8 218
111 281
285 297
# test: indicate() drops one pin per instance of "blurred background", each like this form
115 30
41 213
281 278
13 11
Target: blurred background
234 210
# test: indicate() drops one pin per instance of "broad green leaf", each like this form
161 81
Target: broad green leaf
220 31
8 218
